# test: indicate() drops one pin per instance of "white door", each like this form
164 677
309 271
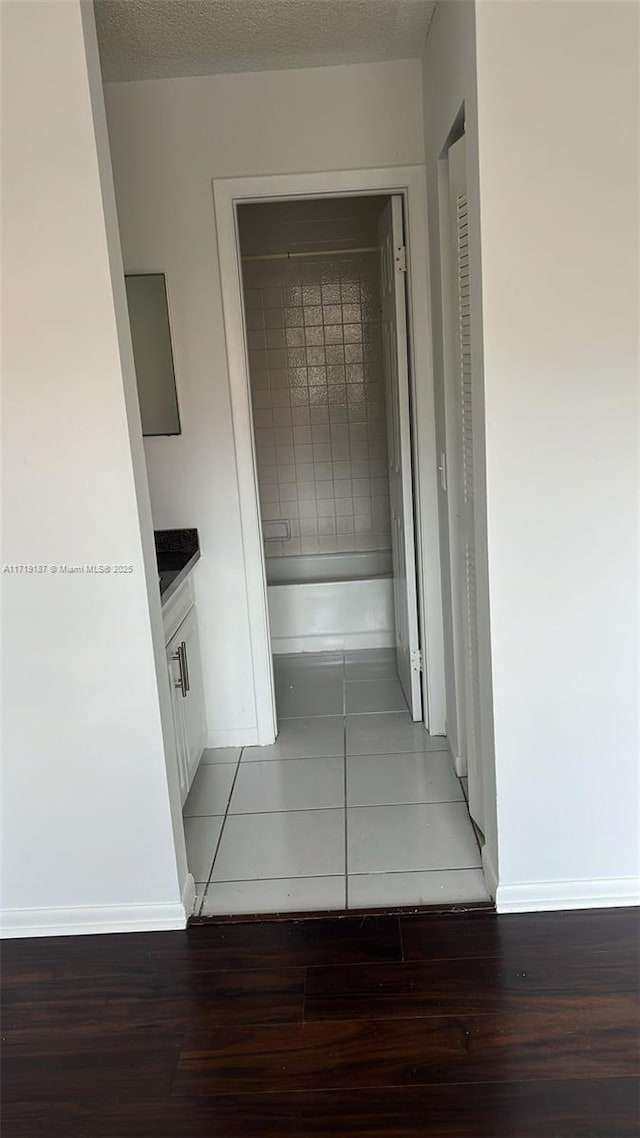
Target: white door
463 561
396 379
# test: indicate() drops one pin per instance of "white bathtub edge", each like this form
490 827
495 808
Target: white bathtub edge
331 615
332 642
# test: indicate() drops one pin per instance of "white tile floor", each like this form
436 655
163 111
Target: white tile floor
354 806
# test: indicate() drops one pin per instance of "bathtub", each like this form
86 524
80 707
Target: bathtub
329 601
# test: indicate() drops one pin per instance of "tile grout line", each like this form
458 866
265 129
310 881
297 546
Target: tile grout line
318 809
344 750
224 822
360 873
425 753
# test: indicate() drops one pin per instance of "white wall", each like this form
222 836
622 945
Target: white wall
558 160
169 139
449 87
88 836
551 120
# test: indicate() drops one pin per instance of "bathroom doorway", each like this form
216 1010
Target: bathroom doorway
325 312
407 184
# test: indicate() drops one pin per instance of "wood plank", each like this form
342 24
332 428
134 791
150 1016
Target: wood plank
593 1108
432 937
249 945
64 1008
290 944
38 959
118 1068
574 1040
465 986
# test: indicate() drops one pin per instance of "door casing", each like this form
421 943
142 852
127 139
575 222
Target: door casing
410 183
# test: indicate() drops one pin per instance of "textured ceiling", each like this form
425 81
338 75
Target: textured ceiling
160 39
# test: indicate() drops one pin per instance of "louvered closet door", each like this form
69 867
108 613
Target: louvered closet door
396 379
465 559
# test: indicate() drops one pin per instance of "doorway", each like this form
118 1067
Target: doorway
325 312
355 803
408 183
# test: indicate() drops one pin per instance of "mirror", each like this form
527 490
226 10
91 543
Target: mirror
152 353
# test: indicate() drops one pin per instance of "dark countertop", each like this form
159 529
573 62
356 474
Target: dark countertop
176 553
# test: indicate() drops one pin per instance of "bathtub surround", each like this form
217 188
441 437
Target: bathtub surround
313 329
353 807
312 311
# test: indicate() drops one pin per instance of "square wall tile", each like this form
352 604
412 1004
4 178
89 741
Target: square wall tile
315 369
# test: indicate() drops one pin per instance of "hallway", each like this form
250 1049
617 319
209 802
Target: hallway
353 807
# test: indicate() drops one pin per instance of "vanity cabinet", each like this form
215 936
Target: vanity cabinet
185 680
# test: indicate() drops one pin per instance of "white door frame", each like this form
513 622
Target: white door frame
410 182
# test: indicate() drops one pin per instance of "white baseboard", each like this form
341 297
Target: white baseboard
93 919
189 896
543 896
460 764
489 870
333 642
233 737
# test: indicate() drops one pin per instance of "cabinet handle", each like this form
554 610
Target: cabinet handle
181 682
187 682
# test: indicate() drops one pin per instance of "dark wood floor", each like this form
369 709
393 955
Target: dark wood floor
437 1024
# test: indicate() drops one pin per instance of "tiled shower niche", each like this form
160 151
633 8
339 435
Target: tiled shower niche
313 328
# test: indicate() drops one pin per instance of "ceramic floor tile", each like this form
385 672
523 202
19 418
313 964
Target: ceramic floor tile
220 755
440 886
371 664
309 697
358 655
374 695
306 738
385 839
283 895
307 843
303 681
410 840
201 838
386 734
384 780
210 791
326 664
288 784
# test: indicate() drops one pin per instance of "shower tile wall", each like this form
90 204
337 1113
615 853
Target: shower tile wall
313 330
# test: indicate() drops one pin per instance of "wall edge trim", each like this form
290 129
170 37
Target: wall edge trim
490 872
588 893
85 920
